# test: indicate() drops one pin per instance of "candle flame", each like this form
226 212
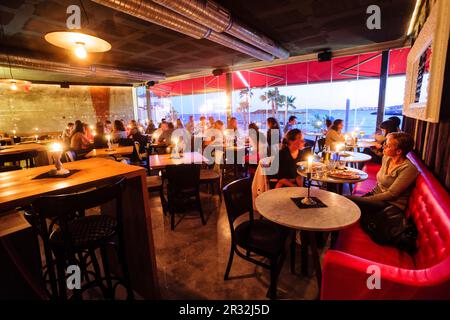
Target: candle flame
55 147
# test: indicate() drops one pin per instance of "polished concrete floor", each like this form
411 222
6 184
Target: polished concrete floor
191 260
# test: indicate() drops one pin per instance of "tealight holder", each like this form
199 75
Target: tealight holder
308 200
58 170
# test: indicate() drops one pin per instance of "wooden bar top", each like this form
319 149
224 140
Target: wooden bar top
18 187
110 152
160 161
20 148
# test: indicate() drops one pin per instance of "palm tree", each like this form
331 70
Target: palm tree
244 106
275 99
290 100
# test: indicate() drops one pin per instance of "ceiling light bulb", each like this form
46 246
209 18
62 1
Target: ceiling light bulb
13 86
80 50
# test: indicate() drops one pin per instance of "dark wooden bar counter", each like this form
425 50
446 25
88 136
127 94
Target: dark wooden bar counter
18 188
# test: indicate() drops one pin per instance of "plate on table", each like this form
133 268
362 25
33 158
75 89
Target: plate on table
344 174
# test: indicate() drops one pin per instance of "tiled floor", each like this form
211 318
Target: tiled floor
192 259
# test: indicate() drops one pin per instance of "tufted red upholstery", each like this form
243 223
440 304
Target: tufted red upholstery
423 276
362 188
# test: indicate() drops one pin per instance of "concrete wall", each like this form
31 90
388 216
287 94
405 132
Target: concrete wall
49 107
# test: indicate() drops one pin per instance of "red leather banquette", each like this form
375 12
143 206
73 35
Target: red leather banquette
426 275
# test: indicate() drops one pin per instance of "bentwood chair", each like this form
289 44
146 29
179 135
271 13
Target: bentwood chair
260 237
70 237
183 184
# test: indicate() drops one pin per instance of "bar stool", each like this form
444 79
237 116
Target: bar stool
71 238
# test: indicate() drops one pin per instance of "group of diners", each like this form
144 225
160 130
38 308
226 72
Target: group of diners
82 138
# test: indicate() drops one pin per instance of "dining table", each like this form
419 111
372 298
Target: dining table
20 188
161 161
111 152
278 206
42 158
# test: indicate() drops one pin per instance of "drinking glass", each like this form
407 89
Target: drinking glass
331 164
319 172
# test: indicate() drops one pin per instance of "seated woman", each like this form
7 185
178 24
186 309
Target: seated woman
395 178
376 151
100 140
79 142
119 131
273 136
258 142
292 151
334 135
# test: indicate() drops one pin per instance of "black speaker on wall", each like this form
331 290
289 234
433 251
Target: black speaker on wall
324 56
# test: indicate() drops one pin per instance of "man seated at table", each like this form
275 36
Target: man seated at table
291 152
232 128
166 134
100 140
201 127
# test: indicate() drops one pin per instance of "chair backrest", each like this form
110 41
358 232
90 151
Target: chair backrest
321 144
125 142
61 209
238 199
70 156
183 177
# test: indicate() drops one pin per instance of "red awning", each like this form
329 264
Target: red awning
361 66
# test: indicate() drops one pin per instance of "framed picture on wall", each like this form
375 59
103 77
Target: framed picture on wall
426 66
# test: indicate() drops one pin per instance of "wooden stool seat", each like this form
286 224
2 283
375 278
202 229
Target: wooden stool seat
154 182
207 175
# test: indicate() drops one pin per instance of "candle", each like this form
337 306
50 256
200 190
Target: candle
36 137
310 160
56 149
108 138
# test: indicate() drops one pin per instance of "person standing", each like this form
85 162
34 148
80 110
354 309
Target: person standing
292 123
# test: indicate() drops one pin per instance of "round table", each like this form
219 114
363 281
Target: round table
354 157
338 181
325 178
277 206
362 144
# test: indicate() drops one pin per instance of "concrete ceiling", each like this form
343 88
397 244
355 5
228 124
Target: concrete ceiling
300 26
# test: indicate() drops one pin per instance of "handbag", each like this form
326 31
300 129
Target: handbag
390 226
